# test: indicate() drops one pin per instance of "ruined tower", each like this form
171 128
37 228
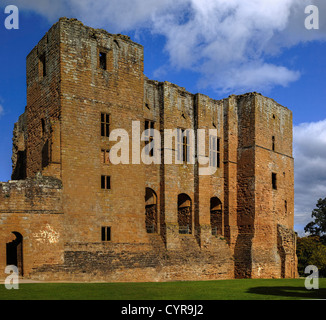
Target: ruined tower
70 213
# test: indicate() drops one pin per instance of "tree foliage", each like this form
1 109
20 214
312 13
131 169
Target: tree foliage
318 226
311 250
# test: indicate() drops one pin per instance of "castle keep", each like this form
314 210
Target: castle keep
70 214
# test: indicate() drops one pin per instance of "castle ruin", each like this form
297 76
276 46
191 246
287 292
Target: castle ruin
70 214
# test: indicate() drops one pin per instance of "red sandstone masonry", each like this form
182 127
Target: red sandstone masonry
60 136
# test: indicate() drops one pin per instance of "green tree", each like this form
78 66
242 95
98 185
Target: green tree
311 251
318 226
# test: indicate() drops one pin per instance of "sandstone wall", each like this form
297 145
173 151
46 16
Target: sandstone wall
139 221
32 209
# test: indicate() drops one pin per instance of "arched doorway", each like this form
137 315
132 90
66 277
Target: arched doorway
14 251
184 214
150 211
216 216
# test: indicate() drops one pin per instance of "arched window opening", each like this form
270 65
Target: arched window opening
14 251
150 211
216 216
184 214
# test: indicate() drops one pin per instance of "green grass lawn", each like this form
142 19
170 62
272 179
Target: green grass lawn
247 289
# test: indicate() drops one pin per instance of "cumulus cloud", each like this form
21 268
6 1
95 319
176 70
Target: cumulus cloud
1 110
228 42
310 168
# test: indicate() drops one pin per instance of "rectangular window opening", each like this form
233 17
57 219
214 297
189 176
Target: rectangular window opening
183 145
108 182
149 134
105 125
102 60
105 182
214 152
106 234
43 127
102 182
274 181
185 148
273 143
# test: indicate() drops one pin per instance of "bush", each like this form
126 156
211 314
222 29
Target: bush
311 251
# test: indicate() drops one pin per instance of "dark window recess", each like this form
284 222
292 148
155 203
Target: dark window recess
14 252
105 125
183 145
273 143
149 134
106 182
106 233
102 60
46 154
274 181
19 172
185 148
42 65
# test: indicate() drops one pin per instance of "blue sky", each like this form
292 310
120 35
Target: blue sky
216 47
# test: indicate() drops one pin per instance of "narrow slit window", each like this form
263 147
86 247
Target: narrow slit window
108 182
102 60
214 151
149 134
185 148
105 125
103 234
183 145
273 143
106 234
43 127
102 182
105 182
274 181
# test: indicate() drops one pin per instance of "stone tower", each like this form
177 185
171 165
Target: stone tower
135 221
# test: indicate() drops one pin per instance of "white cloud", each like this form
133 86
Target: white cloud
228 42
310 168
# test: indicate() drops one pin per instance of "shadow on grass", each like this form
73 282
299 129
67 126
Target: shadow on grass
290 292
